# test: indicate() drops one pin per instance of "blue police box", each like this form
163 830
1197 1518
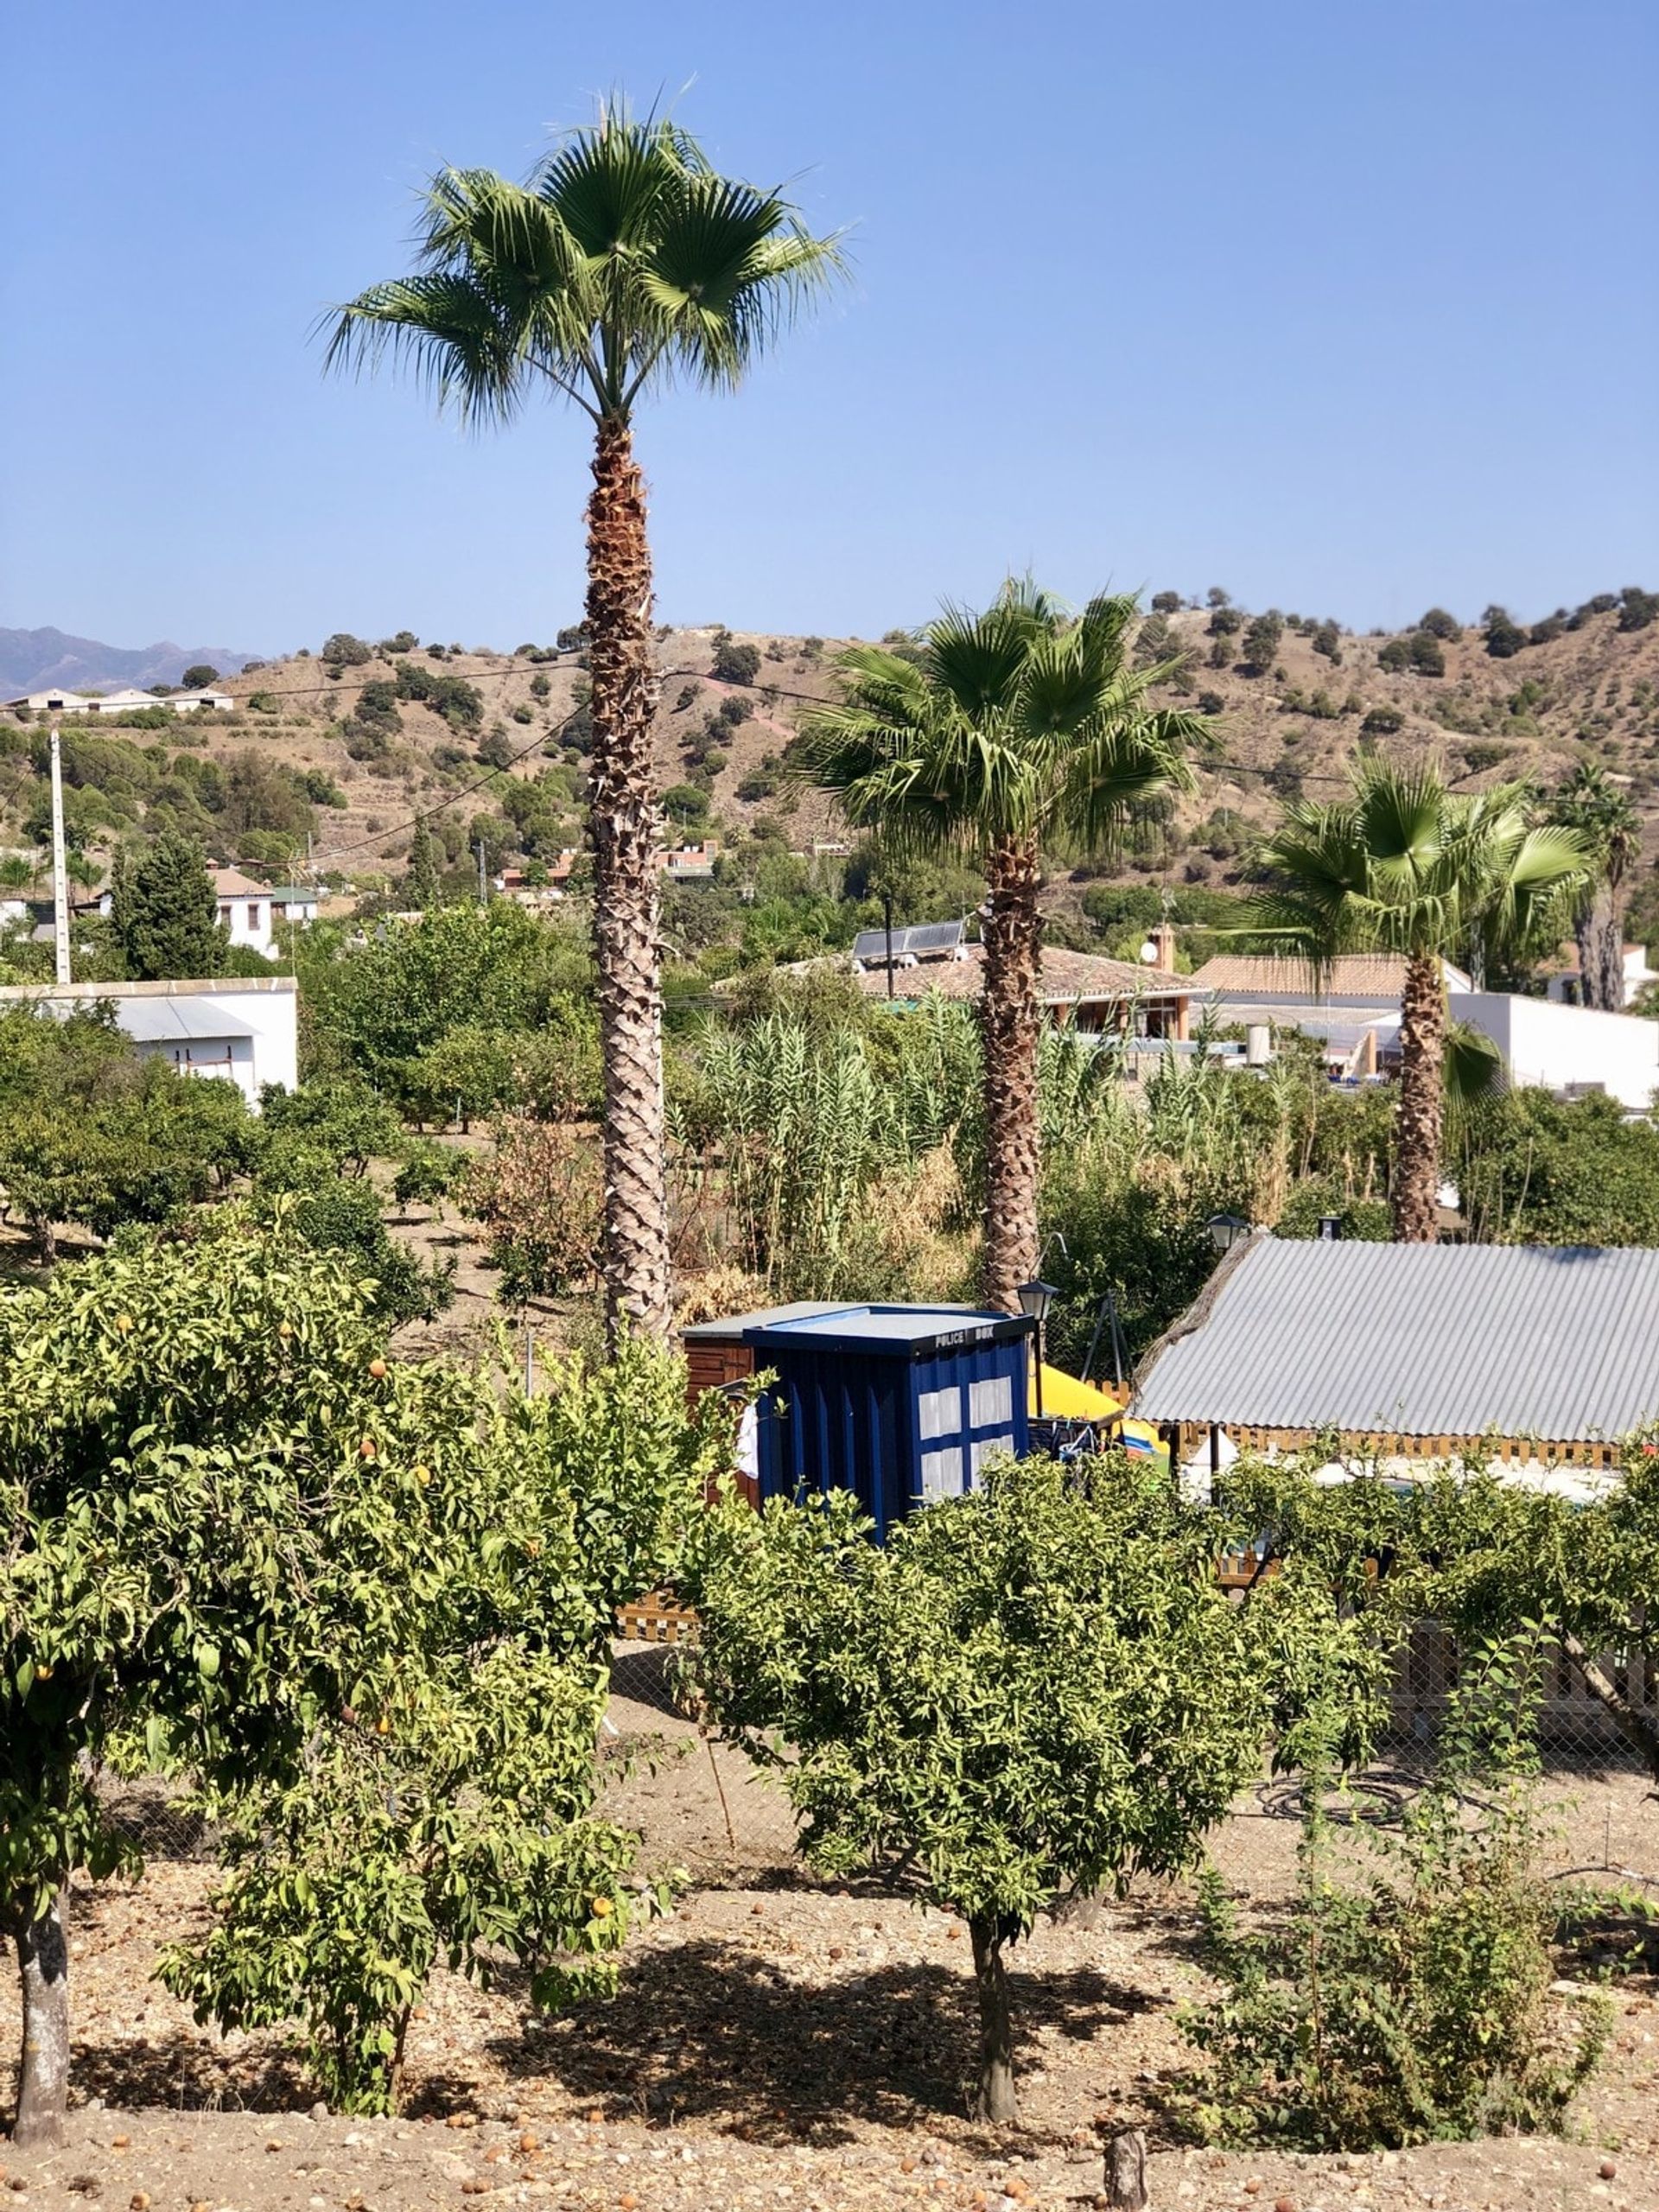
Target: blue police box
900 1404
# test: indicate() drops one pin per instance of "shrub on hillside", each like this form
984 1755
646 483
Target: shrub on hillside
342 649
1439 624
735 662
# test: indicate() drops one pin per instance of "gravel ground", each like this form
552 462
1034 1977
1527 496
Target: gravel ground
789 2046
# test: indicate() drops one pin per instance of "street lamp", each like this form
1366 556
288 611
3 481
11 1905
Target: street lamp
1227 1230
1035 1299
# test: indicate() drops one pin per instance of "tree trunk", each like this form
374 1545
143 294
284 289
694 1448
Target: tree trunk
1009 1019
1638 1730
995 2100
1415 1191
1126 2172
43 2074
624 824
1603 975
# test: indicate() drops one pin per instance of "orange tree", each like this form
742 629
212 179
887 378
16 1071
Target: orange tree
242 1545
1035 1689
625 262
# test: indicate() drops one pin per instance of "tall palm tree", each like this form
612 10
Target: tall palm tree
1010 730
624 261
1602 814
1406 866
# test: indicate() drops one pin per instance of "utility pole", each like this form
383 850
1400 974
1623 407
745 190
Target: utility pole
887 915
60 871
483 891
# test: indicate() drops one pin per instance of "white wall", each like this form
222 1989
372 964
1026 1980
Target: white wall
265 1006
1552 1045
234 910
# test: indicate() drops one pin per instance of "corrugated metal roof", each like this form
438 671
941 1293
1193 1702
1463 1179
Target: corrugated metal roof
1556 1342
916 938
164 1021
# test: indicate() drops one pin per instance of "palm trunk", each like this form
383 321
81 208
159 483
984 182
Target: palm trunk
1009 1016
994 2100
624 822
1415 1191
43 2073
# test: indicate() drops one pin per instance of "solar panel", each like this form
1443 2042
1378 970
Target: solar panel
920 941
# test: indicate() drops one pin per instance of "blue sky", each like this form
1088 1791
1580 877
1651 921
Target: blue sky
1349 308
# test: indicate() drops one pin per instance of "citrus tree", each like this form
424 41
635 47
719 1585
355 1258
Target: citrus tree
242 1546
1033 1689
448 1817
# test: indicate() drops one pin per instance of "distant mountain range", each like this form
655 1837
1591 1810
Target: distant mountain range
30 660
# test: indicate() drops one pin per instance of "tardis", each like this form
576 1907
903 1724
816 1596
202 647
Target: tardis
900 1404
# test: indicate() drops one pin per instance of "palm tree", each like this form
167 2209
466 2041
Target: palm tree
1590 804
624 261
1406 866
1007 730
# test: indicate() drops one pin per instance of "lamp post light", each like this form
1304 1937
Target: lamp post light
1035 1299
1227 1230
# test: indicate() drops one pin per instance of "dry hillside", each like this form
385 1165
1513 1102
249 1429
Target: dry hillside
1590 693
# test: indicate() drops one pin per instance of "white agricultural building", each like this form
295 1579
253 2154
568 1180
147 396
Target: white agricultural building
124 701
240 1029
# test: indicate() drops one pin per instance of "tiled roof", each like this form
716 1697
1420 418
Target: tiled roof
1378 977
1067 978
230 883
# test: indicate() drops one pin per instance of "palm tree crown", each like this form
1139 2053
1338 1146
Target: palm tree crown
625 258
1010 725
1406 866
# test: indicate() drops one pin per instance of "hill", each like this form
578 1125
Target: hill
494 743
30 660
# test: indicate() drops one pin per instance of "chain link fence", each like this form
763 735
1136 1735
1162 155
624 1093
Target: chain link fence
698 1802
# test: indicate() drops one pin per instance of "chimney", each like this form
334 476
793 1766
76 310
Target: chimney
1163 938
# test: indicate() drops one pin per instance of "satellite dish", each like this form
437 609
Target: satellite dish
1149 953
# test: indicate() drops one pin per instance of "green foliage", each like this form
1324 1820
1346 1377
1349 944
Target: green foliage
163 913
90 1135
198 677
1437 623
1638 609
1417 2008
378 1008
444 1812
342 649
1503 635
1262 642
1032 1689
460 703
1326 641
733 663
1534 1171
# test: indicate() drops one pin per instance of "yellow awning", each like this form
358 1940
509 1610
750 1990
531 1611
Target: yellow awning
1066 1399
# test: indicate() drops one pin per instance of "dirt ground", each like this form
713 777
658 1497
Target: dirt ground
777 2043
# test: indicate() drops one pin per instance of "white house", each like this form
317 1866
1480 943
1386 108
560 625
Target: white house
1565 985
241 1030
1353 1009
245 910
126 701
1566 1048
295 902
